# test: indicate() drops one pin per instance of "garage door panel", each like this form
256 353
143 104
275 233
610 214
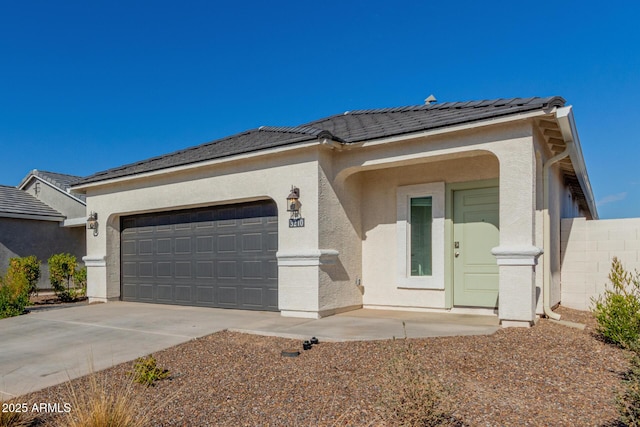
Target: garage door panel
164 269
253 296
145 247
130 291
129 269
145 292
218 256
272 270
145 269
205 295
252 270
272 298
227 270
204 270
163 246
226 243
183 294
183 270
164 292
204 244
128 247
252 242
228 295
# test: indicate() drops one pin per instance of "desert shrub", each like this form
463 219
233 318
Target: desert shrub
146 371
63 269
618 310
410 396
628 400
14 293
30 267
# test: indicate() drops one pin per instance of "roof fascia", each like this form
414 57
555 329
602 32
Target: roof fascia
26 181
74 222
34 217
191 166
456 128
567 124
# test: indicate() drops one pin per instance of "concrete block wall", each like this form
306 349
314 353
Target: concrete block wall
587 248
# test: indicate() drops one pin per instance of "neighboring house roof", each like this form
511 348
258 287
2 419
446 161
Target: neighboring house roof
15 203
62 182
348 128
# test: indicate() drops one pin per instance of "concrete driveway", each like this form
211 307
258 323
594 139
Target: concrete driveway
48 347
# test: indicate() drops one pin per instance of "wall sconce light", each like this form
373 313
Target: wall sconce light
92 222
293 202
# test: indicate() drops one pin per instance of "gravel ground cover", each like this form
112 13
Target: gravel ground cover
549 375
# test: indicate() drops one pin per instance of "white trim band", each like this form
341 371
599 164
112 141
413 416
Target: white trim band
307 258
94 261
516 255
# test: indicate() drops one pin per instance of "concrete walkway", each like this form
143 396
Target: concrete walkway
48 347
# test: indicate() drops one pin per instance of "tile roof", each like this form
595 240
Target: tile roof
17 203
59 180
350 127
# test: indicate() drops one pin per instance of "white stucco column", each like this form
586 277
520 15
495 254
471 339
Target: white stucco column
95 261
517 255
299 281
96 278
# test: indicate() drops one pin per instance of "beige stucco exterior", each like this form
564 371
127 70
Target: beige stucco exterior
346 255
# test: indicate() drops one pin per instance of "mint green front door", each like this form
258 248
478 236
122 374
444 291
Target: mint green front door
475 232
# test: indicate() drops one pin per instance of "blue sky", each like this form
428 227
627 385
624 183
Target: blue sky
86 86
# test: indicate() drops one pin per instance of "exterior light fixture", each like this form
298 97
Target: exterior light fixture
293 206
92 222
293 202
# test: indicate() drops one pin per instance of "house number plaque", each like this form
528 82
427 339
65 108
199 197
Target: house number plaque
296 222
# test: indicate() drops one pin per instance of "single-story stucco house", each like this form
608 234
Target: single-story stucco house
451 206
41 217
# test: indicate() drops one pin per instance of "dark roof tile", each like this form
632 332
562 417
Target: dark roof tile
15 202
349 127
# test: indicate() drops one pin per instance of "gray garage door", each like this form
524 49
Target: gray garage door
223 256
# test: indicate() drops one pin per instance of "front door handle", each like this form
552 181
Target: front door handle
457 254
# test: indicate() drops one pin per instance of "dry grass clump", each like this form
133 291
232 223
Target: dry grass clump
14 414
104 404
410 396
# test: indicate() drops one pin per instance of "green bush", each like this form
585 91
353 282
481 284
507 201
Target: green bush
146 371
30 267
618 310
80 279
14 293
63 273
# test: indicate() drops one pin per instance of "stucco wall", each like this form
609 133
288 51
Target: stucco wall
21 237
63 203
379 218
269 177
339 218
587 250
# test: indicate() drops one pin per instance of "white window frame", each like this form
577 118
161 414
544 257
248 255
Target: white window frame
436 191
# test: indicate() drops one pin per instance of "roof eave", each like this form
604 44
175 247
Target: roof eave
456 128
566 121
32 217
82 188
